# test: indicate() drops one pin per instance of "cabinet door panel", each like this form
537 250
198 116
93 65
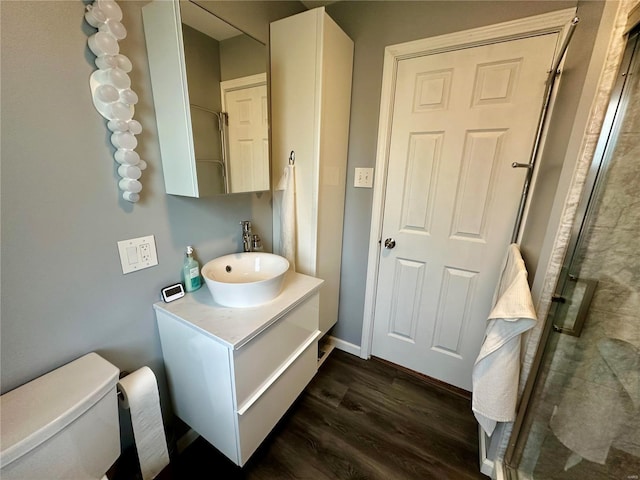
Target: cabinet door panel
199 376
256 362
164 42
256 423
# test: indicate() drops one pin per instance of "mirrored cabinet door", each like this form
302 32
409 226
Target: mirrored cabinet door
209 88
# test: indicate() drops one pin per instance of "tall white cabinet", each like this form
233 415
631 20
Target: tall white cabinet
311 71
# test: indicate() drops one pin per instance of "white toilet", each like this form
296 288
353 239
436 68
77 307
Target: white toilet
62 425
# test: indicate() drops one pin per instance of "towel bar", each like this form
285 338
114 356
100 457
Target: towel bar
583 310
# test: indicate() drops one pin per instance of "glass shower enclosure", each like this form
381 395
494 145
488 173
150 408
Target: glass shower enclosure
583 419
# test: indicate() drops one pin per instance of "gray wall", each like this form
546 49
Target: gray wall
252 16
242 56
373 25
63 291
569 90
202 62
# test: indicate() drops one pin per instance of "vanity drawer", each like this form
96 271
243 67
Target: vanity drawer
258 420
256 362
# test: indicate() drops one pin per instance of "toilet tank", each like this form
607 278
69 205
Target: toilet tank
62 425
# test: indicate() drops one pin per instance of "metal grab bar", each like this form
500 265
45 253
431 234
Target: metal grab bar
583 309
223 123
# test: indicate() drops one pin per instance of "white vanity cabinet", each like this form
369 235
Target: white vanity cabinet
233 372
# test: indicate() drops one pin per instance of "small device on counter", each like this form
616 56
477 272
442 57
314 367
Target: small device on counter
172 292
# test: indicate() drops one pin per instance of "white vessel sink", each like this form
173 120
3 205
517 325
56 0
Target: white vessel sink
245 279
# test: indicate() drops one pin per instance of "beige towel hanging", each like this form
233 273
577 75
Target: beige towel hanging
288 215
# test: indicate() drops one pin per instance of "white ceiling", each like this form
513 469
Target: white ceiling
199 18
203 21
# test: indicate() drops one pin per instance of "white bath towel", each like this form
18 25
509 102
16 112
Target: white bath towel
496 372
287 184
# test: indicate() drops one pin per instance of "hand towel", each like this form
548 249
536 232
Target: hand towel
496 372
287 184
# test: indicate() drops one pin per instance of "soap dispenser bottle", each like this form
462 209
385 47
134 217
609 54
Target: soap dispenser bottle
191 272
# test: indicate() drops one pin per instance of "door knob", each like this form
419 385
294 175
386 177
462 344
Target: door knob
389 243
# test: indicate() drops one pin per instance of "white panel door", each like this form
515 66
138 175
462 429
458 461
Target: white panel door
248 138
460 119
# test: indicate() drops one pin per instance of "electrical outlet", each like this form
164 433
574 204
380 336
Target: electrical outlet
145 252
137 253
363 178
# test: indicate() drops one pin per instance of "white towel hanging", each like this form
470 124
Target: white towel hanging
288 215
496 372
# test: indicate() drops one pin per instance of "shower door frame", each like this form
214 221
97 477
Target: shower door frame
592 185
601 158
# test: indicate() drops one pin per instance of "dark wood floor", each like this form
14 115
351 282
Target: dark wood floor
357 420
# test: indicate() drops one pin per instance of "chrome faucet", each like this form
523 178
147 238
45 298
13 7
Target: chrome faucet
247 245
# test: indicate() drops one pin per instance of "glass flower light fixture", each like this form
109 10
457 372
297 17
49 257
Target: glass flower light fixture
112 94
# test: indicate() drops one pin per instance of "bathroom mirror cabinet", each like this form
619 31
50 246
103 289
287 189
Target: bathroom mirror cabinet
210 93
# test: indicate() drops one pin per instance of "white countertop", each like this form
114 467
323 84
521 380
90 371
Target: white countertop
236 326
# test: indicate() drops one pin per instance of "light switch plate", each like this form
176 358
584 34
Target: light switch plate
363 178
137 253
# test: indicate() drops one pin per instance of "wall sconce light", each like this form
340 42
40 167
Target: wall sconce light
112 94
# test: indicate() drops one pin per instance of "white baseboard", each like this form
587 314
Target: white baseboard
186 440
344 346
487 466
499 471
